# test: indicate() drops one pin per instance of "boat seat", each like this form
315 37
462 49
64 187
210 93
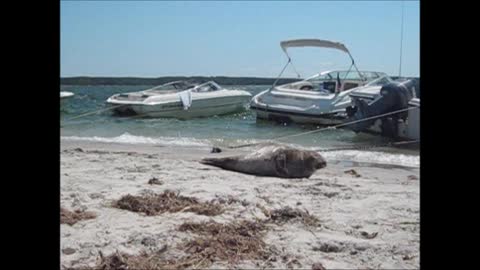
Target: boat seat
330 86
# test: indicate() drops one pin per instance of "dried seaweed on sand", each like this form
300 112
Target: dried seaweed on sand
285 214
144 261
70 218
231 242
168 201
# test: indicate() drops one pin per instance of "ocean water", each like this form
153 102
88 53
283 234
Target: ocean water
221 131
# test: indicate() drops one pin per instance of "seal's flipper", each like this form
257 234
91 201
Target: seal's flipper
224 163
281 164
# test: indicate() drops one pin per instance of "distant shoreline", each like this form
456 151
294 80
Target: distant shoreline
222 80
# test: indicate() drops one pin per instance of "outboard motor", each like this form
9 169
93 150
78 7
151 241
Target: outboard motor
393 96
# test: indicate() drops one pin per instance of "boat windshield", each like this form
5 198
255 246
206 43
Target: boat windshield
345 75
380 81
207 87
172 87
330 81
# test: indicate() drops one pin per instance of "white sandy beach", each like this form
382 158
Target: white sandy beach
382 200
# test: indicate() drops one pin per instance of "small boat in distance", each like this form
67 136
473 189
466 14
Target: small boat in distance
65 94
180 99
320 99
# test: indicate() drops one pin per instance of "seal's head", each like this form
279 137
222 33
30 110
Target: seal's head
315 160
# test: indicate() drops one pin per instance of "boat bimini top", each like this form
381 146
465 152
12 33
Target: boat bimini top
315 43
312 43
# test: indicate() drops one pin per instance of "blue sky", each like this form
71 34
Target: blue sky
216 38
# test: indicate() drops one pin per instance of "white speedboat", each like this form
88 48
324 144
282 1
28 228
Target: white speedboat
65 94
320 99
387 98
181 100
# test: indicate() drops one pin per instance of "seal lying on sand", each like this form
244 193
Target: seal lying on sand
278 161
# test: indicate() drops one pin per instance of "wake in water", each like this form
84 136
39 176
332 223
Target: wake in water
132 139
374 157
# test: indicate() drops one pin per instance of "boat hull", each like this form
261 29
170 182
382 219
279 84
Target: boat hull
199 108
304 107
297 117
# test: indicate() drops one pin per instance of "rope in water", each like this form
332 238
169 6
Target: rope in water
328 128
94 112
107 109
364 147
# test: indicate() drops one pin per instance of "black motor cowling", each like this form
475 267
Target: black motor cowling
393 96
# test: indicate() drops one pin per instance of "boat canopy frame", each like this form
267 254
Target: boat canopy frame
314 43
